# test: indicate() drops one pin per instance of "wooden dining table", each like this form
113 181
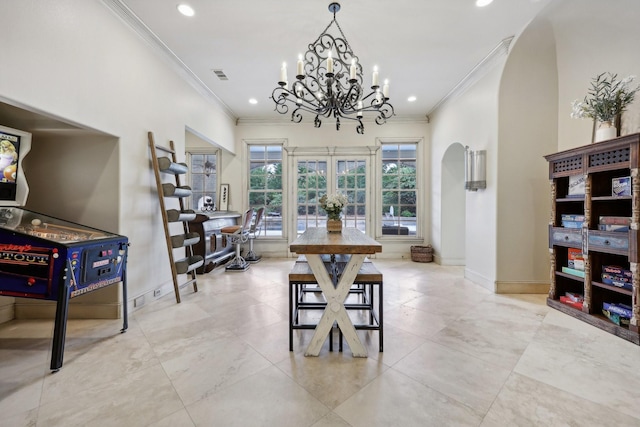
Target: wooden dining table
314 243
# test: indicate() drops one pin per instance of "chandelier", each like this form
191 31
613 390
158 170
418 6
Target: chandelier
329 83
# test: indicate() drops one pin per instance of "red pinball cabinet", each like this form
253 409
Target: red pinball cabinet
52 259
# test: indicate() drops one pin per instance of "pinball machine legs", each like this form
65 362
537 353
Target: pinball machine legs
62 312
60 328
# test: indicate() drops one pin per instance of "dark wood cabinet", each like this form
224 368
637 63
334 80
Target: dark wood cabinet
213 246
602 165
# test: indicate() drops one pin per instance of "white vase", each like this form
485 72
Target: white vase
605 131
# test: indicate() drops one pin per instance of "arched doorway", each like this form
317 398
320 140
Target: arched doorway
452 251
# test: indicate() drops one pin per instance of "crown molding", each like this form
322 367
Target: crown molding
477 72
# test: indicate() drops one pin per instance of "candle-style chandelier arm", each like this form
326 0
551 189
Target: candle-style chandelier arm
329 82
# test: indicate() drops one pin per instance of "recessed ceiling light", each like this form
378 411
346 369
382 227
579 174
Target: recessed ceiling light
483 3
253 101
186 10
411 98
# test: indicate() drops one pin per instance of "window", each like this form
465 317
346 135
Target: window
203 168
265 185
399 192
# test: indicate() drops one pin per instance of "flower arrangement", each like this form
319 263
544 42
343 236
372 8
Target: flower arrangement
607 98
333 204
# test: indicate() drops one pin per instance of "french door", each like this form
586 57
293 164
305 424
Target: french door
327 175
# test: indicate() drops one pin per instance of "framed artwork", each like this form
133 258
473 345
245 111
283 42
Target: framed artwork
224 197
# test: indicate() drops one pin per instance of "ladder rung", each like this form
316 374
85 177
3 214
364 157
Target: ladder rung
166 150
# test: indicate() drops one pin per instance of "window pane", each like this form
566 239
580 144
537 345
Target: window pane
312 183
351 181
265 185
399 195
203 170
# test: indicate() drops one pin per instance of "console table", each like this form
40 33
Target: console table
213 247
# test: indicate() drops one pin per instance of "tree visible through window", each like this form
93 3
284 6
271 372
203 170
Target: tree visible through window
399 193
265 185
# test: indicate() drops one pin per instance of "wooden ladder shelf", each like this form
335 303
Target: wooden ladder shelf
170 167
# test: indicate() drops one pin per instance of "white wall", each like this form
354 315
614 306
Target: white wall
470 118
76 60
592 38
528 120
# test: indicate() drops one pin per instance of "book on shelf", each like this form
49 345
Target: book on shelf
576 185
616 270
613 227
616 318
572 224
568 301
575 259
573 272
617 281
621 186
618 277
575 297
572 217
623 310
621 220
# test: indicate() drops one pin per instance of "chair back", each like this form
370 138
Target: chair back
246 221
258 220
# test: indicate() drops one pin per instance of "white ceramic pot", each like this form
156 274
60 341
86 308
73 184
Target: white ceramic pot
605 131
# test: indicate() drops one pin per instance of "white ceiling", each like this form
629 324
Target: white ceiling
424 47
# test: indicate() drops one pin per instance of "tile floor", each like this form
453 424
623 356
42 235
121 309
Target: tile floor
455 354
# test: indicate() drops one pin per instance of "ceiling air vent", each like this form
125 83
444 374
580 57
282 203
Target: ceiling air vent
221 75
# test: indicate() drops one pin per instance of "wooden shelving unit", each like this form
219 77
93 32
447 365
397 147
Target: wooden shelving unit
599 163
168 166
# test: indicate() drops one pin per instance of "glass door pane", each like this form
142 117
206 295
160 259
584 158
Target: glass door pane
311 185
351 180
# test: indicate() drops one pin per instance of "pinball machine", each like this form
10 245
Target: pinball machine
50 258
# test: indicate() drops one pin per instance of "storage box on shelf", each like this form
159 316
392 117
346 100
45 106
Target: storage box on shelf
607 237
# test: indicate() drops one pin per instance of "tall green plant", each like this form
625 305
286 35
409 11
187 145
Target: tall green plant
606 98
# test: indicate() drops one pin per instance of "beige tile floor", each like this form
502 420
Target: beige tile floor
455 354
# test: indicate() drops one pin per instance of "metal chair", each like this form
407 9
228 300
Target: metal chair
251 256
237 235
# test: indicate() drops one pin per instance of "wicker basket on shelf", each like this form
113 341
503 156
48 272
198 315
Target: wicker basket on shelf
422 253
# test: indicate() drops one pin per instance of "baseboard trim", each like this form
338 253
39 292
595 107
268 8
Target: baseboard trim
522 288
479 279
47 310
451 261
7 313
